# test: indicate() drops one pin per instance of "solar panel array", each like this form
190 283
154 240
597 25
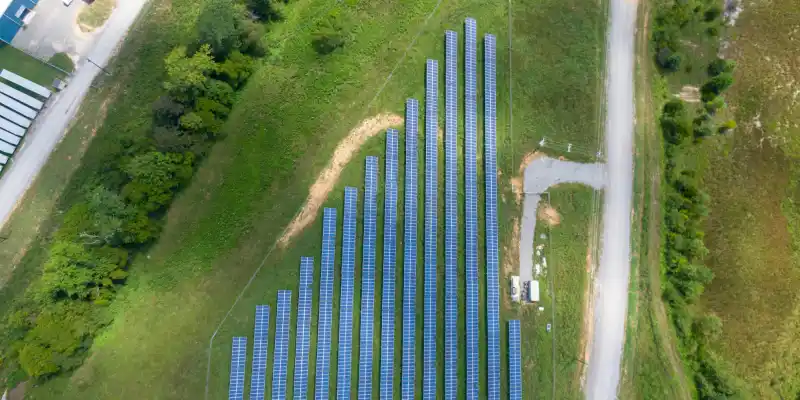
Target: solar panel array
410 253
431 234
260 345
281 351
368 279
344 372
303 334
238 360
514 361
471 212
326 274
451 222
492 278
389 276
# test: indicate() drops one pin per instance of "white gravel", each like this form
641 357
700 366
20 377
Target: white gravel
611 284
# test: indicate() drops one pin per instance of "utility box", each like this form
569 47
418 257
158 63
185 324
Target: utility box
533 292
516 288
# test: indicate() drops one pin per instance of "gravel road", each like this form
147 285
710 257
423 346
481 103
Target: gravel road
611 284
541 174
52 123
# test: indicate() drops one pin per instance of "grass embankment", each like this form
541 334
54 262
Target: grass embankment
558 354
752 229
280 135
62 60
24 65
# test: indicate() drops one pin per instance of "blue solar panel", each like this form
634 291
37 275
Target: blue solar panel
389 276
344 372
260 344
514 361
492 278
326 274
368 280
281 351
238 360
410 254
471 212
451 222
431 187
300 391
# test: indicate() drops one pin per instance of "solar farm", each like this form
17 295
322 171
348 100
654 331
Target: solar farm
359 373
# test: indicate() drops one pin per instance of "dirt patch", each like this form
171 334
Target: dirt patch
330 175
548 214
690 94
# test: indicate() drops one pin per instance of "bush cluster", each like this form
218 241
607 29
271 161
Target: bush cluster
52 325
672 18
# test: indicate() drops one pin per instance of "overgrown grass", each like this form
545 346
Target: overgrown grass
752 228
94 14
292 114
24 65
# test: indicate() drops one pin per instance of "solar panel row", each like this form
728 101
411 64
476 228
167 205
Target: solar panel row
431 216
281 350
514 361
451 223
471 212
389 276
238 360
368 279
410 254
260 345
321 384
303 334
492 278
344 371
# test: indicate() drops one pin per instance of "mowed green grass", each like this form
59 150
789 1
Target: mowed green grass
290 117
24 65
752 230
557 354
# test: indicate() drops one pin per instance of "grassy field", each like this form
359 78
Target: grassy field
293 112
16 61
557 354
752 229
95 14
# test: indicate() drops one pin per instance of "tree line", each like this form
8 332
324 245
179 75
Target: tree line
51 326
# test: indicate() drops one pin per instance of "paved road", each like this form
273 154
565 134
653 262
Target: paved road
611 284
541 174
51 125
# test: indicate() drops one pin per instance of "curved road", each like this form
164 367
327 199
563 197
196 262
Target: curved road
611 284
53 122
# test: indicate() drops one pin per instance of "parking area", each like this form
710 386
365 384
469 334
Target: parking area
54 29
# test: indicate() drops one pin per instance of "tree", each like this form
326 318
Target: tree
236 69
186 76
716 85
166 111
264 10
221 26
715 105
326 42
219 91
720 66
171 140
154 176
712 13
727 126
75 271
192 122
668 59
